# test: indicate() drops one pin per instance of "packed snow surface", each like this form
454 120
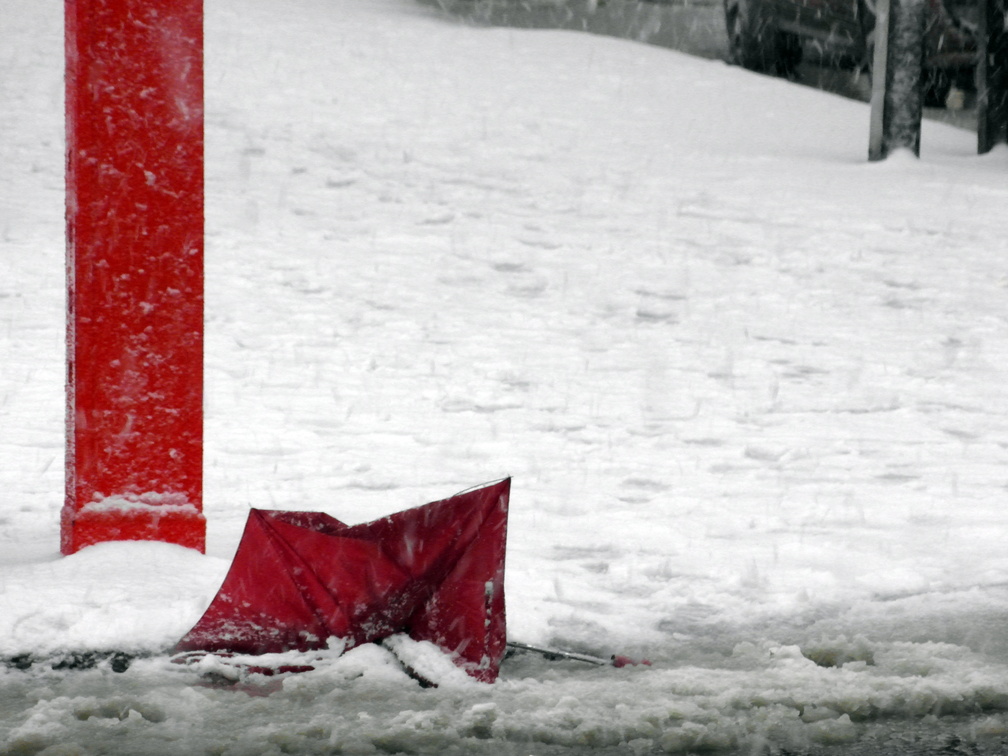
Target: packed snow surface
751 390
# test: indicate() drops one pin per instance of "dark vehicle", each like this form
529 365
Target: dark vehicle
769 35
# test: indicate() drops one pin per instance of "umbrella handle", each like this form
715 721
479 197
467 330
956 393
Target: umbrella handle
552 654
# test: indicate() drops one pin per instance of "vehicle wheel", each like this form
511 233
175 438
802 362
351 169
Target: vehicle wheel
866 19
789 53
937 85
864 71
752 41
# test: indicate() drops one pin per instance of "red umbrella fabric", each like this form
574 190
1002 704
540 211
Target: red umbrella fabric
435 572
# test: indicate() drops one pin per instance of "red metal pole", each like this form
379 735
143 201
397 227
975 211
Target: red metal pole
134 110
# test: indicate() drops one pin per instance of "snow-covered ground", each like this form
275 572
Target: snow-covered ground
751 389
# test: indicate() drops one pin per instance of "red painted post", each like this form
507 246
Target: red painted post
134 110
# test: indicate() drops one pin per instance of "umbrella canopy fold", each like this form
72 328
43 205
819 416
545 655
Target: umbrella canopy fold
435 572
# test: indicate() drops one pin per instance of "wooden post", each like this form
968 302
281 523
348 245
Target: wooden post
134 115
880 58
898 107
992 77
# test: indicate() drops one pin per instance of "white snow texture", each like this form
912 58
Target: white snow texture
751 390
